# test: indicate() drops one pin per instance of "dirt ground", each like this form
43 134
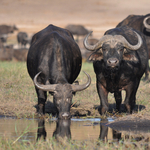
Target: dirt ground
97 15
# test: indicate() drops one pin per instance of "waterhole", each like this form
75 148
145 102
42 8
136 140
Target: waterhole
75 129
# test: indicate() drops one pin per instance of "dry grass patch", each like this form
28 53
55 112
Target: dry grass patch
18 96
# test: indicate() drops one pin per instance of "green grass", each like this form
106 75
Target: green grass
18 95
52 144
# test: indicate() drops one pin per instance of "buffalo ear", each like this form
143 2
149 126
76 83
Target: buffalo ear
129 56
96 56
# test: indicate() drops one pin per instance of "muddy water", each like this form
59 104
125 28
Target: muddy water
76 129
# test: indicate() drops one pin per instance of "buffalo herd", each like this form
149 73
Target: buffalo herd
54 60
9 52
120 58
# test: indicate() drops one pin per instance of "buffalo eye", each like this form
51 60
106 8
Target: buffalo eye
125 51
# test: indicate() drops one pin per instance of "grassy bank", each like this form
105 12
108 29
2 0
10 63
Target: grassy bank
17 93
18 97
52 144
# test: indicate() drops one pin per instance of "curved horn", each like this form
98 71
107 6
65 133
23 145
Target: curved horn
98 44
86 44
146 25
76 88
115 37
127 44
50 88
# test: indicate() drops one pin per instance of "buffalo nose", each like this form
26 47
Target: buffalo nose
65 115
112 62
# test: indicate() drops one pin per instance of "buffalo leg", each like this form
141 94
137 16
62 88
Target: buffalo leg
42 96
118 99
147 72
131 96
103 95
129 101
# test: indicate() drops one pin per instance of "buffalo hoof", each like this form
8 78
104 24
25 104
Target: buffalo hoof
103 110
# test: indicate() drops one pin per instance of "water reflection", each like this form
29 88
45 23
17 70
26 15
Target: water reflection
106 134
75 129
41 132
62 129
128 135
116 136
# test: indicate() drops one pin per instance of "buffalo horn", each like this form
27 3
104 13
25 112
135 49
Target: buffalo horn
98 44
146 25
118 38
76 88
50 87
128 45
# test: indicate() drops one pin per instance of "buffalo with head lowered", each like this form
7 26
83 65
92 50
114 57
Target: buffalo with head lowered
54 62
120 59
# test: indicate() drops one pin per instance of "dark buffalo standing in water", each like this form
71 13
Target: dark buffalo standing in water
140 23
22 38
120 59
54 62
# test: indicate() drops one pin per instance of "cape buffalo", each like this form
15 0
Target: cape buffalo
120 59
5 29
78 30
3 38
140 23
22 38
6 52
54 62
